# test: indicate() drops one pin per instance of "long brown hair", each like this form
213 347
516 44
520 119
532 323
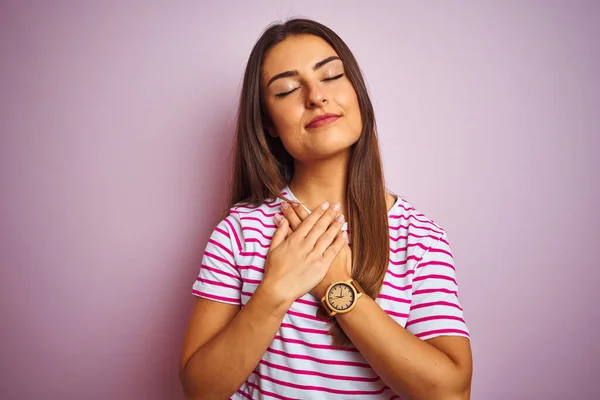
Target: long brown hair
262 167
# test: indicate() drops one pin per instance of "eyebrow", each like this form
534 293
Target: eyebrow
295 72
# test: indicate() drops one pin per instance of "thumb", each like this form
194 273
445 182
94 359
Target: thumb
281 232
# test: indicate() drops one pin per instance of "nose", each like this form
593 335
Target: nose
315 95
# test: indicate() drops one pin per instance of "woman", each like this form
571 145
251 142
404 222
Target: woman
293 301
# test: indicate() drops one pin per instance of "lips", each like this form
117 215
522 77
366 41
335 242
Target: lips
322 120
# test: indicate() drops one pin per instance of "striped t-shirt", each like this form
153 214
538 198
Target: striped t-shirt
419 292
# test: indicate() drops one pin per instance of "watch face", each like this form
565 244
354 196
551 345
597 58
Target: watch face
340 296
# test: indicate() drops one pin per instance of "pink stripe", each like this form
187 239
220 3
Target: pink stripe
426 228
253 253
216 257
411 215
250 228
266 392
307 330
306 316
400 205
246 395
395 239
314 345
214 242
403 275
217 283
314 373
441 290
410 245
255 240
222 232
435 303
252 211
393 298
308 302
435 317
320 388
274 204
411 257
434 276
443 264
247 207
218 271
414 216
215 297
407 287
251 281
252 267
442 331
237 239
433 250
318 360
396 314
259 221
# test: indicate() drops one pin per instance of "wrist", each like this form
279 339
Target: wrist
270 301
321 290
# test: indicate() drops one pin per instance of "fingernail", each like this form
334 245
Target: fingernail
278 219
294 204
340 218
325 206
284 205
336 207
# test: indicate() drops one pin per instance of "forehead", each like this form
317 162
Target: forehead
296 53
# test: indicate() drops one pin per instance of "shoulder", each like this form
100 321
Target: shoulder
251 215
410 223
254 222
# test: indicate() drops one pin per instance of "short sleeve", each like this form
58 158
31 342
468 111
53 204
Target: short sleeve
219 278
435 309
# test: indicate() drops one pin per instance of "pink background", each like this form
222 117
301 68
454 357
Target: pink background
116 123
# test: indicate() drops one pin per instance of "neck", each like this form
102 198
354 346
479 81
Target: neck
319 181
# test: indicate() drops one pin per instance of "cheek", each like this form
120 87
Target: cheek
285 118
349 101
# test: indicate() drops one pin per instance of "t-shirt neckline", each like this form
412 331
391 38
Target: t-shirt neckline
345 226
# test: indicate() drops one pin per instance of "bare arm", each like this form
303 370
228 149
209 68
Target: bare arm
224 344
439 368
220 337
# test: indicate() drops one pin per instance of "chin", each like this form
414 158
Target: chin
324 145
326 152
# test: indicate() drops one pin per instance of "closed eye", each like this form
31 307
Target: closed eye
293 90
285 93
334 77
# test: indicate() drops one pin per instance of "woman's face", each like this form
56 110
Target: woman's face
303 79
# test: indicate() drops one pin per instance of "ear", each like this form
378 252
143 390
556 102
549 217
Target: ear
270 129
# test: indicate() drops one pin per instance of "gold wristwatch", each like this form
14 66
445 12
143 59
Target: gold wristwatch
341 297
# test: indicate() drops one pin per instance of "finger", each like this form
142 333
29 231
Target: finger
301 211
332 251
290 214
330 235
323 223
310 221
281 232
